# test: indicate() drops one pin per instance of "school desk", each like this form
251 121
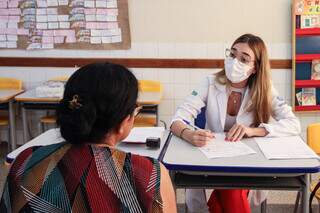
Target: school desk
7 97
190 168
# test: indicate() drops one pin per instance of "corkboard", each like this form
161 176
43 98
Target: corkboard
122 20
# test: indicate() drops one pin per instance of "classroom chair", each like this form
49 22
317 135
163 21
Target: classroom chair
148 115
51 119
313 141
8 83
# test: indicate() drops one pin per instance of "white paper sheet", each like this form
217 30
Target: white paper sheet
285 148
140 134
219 148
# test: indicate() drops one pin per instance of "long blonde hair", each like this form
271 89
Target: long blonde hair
259 83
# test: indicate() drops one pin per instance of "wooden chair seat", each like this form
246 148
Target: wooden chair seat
145 120
48 119
4 121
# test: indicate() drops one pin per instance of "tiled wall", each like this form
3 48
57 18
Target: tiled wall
177 82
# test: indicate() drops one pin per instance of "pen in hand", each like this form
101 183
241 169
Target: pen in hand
195 127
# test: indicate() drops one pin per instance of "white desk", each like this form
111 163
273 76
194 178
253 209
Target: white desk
29 100
191 169
53 136
6 96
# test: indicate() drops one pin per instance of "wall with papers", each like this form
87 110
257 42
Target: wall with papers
64 24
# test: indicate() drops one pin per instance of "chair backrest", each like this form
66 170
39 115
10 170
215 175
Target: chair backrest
60 78
313 137
150 86
200 120
10 83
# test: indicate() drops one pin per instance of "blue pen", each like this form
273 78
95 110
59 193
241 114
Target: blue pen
190 124
193 126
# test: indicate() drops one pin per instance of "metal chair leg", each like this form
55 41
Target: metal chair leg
296 205
264 206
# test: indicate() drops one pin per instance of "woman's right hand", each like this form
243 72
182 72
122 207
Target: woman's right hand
199 137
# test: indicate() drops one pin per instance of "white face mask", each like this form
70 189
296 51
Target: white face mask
235 70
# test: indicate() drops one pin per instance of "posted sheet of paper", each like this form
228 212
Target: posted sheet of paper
219 148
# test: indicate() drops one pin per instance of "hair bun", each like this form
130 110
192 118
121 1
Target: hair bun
78 115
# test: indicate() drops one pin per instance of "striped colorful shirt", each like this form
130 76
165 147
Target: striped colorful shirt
81 178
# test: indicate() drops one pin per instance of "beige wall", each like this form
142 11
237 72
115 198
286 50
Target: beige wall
209 20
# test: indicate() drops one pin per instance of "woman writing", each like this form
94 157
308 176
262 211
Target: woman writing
240 101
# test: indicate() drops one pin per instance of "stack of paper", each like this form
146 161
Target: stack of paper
285 148
140 134
219 148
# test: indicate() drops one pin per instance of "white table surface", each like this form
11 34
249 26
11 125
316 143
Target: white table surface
7 94
53 136
182 154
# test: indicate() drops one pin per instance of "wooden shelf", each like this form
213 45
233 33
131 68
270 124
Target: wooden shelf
307 83
307 57
307 108
307 31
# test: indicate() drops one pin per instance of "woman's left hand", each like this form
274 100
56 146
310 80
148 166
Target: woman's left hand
238 131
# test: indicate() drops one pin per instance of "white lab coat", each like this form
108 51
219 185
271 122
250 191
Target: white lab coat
214 96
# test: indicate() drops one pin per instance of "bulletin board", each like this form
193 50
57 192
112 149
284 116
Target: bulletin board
64 24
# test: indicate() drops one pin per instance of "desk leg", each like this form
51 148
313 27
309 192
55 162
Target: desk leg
157 115
25 125
12 121
305 194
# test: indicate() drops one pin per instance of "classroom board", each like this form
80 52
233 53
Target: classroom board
64 24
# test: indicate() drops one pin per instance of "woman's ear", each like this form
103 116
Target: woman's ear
123 126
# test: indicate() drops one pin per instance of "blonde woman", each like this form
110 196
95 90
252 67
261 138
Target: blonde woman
240 101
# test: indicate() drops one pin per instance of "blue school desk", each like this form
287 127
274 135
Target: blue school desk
190 168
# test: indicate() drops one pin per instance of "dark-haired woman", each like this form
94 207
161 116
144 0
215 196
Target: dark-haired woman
86 173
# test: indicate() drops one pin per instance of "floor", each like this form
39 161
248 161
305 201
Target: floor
278 201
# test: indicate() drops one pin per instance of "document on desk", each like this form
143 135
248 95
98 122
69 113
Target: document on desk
292 147
140 134
219 148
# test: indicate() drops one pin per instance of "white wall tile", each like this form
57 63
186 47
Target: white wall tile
183 50
278 76
168 91
166 75
215 50
149 74
149 50
166 107
280 50
166 50
181 76
180 91
198 50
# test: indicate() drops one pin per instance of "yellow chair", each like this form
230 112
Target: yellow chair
313 141
313 138
148 116
150 86
51 119
9 83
